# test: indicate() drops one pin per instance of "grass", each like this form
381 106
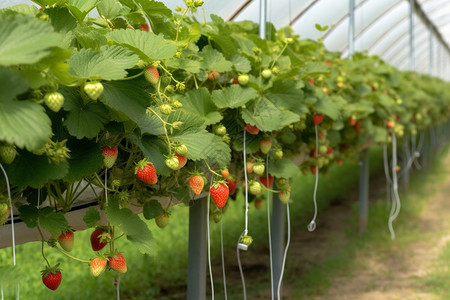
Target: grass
163 275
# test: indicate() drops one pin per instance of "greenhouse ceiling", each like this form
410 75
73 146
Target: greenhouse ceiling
381 26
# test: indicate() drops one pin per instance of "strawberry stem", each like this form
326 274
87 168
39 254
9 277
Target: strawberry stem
217 174
70 256
42 248
169 144
134 76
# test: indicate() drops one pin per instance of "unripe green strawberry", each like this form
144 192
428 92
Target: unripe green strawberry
109 156
177 104
220 130
152 74
182 149
4 213
54 101
8 153
278 154
66 240
265 145
266 73
323 149
284 196
162 220
165 109
217 217
254 188
172 162
259 169
93 89
98 265
243 79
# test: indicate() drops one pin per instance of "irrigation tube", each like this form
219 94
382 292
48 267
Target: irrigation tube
312 224
396 200
269 229
13 234
285 251
223 262
208 200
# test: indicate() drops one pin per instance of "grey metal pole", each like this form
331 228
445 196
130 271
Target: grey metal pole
364 190
411 35
262 18
278 221
351 29
431 62
196 289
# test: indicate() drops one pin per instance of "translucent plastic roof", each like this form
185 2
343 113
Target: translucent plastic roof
381 26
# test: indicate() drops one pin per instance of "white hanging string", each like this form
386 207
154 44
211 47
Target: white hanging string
269 229
285 250
223 262
13 234
387 175
208 200
312 224
245 232
396 198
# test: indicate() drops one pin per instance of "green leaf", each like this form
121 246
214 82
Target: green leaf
284 167
20 174
362 106
136 230
191 122
25 40
385 100
29 214
132 100
213 60
24 123
83 120
61 19
205 145
321 28
286 94
199 102
23 9
151 7
147 45
110 63
315 68
90 37
52 221
91 217
85 158
326 106
80 8
264 114
241 64
154 150
12 83
152 209
191 66
110 9
233 96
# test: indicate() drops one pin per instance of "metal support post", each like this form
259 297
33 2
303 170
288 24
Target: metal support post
262 18
351 29
363 190
411 35
278 221
196 289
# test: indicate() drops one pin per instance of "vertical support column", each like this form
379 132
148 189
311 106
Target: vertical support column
364 190
196 289
351 28
411 35
262 18
278 221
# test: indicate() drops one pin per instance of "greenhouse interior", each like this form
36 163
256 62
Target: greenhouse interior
240 149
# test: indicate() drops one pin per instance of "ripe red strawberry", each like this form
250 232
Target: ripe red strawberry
352 120
52 277
358 127
145 172
390 124
4 213
66 239
339 162
99 239
329 150
117 263
93 89
144 27
196 183
326 91
182 160
8 153
328 63
152 74
313 169
213 75
162 220
98 265
232 185
225 173
109 156
219 192
258 203
311 80
252 129
267 182
265 145
317 119
54 101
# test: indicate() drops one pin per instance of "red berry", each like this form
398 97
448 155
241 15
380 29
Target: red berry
196 183
232 184
51 277
267 182
145 172
317 119
352 120
258 203
213 75
328 63
182 160
117 263
66 239
313 169
109 156
329 150
252 129
311 80
225 173
265 145
99 239
219 192
249 166
152 74
144 27
98 265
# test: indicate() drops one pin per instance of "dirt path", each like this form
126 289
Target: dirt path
396 273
